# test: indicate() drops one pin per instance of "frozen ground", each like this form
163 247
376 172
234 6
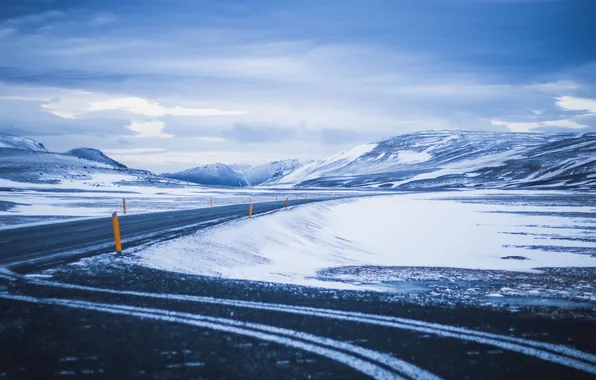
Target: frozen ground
500 242
100 196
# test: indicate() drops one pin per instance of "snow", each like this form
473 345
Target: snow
101 195
101 180
398 230
261 174
411 157
319 168
354 153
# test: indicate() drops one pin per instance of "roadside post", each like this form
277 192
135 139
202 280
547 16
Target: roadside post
287 203
211 202
250 209
116 226
124 205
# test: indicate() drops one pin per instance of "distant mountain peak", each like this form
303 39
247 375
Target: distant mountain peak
237 175
217 174
271 171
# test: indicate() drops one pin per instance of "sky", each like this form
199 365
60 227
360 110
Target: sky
167 85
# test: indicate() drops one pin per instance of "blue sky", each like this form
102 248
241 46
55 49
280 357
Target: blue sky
170 84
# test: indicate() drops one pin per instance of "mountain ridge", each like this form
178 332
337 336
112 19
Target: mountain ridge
432 159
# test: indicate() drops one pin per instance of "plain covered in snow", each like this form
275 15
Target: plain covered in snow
416 230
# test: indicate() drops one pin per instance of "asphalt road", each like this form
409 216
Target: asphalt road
35 247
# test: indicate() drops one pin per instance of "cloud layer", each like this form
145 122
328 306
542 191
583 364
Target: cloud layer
189 82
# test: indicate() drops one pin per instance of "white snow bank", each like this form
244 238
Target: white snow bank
400 230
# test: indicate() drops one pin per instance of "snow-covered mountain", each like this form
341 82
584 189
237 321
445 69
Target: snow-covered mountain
423 160
213 174
434 159
26 160
271 171
237 175
94 155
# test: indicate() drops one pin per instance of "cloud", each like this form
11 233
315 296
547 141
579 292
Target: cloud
101 19
281 79
577 104
80 103
133 151
149 129
145 107
571 105
258 134
209 139
556 87
144 115
267 134
27 115
35 19
531 126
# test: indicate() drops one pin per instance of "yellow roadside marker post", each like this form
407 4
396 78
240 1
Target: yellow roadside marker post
211 201
287 203
124 205
250 209
116 226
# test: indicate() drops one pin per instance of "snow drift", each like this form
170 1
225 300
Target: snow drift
399 230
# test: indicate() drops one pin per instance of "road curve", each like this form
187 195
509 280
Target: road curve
34 247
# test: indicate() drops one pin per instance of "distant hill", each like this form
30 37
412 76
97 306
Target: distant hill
236 175
26 160
94 155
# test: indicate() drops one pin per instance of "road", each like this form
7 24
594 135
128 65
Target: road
35 247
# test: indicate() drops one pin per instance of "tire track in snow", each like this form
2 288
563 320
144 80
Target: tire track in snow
554 353
351 355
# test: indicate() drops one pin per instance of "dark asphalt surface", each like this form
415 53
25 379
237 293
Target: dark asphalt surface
33 247
57 341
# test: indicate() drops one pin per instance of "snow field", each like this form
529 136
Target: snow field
398 230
